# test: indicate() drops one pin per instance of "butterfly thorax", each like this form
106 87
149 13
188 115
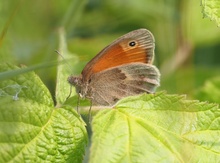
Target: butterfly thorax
77 82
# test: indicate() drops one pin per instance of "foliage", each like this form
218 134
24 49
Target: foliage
157 128
39 124
147 127
32 129
210 91
211 9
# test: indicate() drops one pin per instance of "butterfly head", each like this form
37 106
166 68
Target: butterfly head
77 82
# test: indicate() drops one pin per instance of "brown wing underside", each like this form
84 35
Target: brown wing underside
121 52
107 87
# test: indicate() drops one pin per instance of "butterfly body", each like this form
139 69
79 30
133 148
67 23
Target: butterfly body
122 69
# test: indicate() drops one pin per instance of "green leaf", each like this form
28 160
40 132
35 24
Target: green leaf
210 91
31 129
157 128
211 9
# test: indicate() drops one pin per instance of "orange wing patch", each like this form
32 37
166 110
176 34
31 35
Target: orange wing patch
119 56
115 56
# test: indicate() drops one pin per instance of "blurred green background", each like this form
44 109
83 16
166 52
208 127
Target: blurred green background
187 45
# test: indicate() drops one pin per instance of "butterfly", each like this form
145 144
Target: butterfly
123 68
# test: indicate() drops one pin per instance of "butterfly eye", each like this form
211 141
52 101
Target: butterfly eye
132 43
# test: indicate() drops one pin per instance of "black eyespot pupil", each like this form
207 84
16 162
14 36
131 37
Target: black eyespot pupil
132 43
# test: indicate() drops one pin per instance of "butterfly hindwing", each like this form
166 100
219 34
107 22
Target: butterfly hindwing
109 86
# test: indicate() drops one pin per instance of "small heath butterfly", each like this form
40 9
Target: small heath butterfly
123 68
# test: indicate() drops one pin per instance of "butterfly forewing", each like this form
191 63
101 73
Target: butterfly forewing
136 46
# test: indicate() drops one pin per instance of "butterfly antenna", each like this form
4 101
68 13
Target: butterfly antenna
64 60
78 99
